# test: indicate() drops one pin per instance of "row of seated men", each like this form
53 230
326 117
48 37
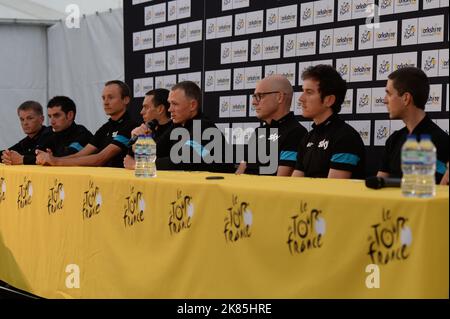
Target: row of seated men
332 149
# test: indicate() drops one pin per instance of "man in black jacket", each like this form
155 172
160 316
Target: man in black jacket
31 119
193 142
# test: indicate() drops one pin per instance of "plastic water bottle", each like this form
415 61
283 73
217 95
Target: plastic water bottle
140 157
410 158
426 169
151 166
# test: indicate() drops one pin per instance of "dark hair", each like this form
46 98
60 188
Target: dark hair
124 88
330 83
31 105
160 97
64 102
191 90
414 81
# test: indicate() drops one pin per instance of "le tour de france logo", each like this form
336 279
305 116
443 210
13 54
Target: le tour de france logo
181 213
25 193
134 208
238 221
56 197
2 190
92 201
390 239
306 230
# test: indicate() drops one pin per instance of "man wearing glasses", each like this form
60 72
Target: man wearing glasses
272 101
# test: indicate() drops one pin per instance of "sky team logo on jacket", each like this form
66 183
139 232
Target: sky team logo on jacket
92 201
56 196
25 193
2 190
238 221
181 213
306 230
134 208
390 239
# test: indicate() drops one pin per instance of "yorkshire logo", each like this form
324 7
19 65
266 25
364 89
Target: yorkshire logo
385 36
390 239
366 36
444 63
361 70
272 19
25 194
56 198
363 101
385 67
384 4
181 213
382 132
256 49
326 41
430 63
2 190
134 208
324 13
274 137
410 31
345 8
290 45
404 65
306 230
238 221
343 70
159 37
307 14
431 31
92 201
149 63
306 45
240 24
226 2
148 16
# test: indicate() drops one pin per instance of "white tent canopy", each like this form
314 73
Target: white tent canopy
42 58
44 10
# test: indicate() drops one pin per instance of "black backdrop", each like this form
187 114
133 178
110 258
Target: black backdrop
205 55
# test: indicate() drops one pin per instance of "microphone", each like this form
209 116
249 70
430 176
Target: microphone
152 125
376 182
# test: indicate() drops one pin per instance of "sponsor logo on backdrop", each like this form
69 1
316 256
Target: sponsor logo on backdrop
134 208
363 101
306 230
92 201
390 239
181 213
2 190
272 19
410 31
343 70
345 8
25 194
307 14
238 221
385 67
430 63
384 4
326 41
56 196
382 132
366 36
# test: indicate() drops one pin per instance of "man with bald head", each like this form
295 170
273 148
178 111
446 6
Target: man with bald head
272 100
